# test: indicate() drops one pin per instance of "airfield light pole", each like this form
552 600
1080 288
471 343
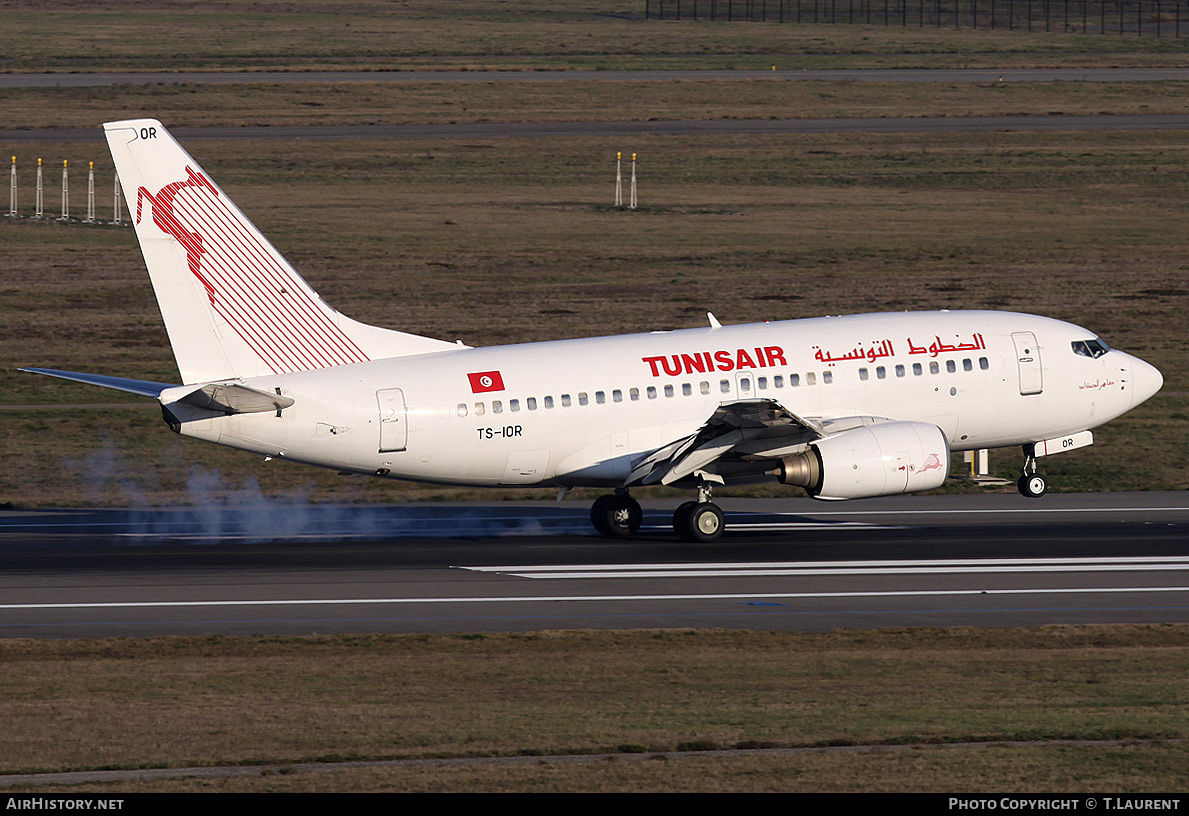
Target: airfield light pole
90 195
633 205
618 179
39 209
12 190
65 194
115 201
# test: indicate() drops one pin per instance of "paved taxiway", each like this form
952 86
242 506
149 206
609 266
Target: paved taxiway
987 560
551 130
102 79
488 130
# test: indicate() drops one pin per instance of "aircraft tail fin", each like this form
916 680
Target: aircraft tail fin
232 305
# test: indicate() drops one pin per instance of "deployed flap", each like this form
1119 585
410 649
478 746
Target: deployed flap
731 426
234 398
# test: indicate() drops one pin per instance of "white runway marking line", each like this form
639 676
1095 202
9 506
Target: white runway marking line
739 522
811 568
735 596
995 512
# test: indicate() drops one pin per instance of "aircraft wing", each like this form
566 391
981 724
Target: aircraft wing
736 431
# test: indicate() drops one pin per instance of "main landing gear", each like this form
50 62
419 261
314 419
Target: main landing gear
1031 483
699 521
619 516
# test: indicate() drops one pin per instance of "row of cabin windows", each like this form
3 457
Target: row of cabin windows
951 366
650 392
724 387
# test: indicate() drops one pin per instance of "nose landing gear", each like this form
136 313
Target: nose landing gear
1031 483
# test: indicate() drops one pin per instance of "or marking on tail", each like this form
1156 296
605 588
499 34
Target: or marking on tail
247 283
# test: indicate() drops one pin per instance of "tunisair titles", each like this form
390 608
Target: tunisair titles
706 362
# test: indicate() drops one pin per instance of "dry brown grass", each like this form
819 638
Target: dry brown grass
181 701
173 35
368 103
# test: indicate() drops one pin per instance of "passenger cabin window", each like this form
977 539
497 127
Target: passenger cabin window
548 402
479 409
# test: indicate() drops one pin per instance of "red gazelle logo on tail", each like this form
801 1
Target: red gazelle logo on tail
166 221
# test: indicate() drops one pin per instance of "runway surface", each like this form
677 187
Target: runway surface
277 568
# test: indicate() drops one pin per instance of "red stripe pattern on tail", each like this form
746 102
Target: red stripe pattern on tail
248 285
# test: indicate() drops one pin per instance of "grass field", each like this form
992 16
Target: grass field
1088 227
1104 709
69 35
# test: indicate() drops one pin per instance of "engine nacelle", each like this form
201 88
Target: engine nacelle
877 460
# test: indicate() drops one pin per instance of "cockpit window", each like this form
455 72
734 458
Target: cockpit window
1090 348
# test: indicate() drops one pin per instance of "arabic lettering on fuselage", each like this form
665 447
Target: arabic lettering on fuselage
938 347
884 348
871 354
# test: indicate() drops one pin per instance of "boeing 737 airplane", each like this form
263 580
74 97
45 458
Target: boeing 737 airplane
843 407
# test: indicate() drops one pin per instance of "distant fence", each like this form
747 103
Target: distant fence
1141 18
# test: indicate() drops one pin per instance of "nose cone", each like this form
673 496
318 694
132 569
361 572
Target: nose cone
1146 380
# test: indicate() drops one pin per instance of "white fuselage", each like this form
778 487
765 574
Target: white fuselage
580 412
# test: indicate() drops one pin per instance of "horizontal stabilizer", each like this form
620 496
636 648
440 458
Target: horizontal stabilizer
146 388
232 398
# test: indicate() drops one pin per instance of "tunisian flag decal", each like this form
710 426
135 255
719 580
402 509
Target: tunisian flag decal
486 381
